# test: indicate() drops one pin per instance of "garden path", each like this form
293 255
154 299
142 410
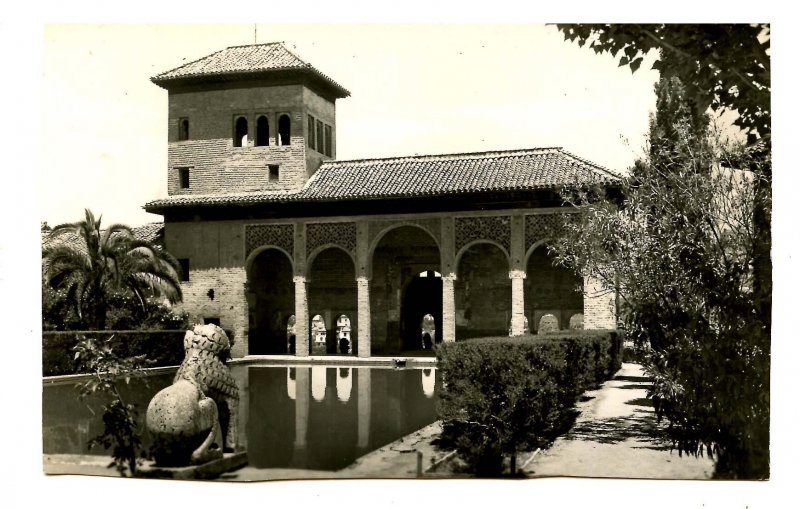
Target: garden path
616 435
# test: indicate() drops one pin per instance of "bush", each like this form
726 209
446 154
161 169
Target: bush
506 394
163 348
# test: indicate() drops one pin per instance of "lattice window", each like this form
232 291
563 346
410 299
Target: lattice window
338 234
495 228
541 226
279 235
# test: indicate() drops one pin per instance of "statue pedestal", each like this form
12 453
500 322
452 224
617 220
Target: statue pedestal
209 470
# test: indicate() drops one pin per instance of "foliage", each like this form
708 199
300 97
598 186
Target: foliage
506 394
107 369
90 267
722 66
681 248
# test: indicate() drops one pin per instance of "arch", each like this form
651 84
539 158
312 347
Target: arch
474 243
536 245
183 129
482 291
332 293
240 132
262 131
260 249
317 251
270 300
399 297
284 130
377 240
550 288
344 340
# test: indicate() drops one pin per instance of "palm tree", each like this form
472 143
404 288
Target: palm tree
91 265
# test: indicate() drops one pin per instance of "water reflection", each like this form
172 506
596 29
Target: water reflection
312 417
428 382
344 384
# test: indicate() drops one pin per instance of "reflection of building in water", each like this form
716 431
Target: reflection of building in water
318 382
343 343
344 384
291 383
300 453
319 334
428 381
364 407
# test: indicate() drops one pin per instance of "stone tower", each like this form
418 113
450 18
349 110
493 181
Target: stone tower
248 118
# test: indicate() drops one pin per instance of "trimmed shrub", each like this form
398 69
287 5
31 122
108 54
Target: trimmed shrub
506 394
164 348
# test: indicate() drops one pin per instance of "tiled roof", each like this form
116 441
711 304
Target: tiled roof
239 60
432 175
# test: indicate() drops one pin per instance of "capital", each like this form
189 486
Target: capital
362 280
449 277
516 274
299 279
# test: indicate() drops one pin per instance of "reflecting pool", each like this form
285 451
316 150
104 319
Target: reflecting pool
311 417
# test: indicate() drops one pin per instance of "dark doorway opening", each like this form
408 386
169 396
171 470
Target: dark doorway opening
422 296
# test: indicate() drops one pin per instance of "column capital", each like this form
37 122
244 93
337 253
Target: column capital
449 277
516 274
362 280
299 279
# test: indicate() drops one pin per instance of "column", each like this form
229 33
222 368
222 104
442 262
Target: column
301 316
448 308
517 278
364 317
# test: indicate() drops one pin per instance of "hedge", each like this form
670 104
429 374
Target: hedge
164 348
504 394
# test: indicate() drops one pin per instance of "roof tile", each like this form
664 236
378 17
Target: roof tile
440 175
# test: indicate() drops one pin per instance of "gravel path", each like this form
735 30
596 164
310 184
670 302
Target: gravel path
616 435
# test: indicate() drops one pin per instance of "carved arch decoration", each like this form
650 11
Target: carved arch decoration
336 234
541 226
433 226
494 228
279 235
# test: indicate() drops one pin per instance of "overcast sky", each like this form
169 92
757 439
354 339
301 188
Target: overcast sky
416 89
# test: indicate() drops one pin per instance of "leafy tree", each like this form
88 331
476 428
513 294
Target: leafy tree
680 246
90 268
721 66
106 370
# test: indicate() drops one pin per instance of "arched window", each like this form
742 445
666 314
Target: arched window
183 129
240 133
284 130
262 131
344 344
319 335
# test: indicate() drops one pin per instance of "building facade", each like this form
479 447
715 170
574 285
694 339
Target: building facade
284 244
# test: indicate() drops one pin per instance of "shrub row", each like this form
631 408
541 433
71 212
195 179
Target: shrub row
506 394
164 348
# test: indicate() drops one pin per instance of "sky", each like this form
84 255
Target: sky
416 89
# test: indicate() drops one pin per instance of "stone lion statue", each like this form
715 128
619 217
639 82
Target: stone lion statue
194 420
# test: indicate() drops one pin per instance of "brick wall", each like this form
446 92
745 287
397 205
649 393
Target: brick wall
229 303
599 306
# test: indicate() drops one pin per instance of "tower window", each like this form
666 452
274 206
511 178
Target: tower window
183 174
274 172
320 137
328 141
284 130
311 138
184 263
262 131
240 133
183 129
